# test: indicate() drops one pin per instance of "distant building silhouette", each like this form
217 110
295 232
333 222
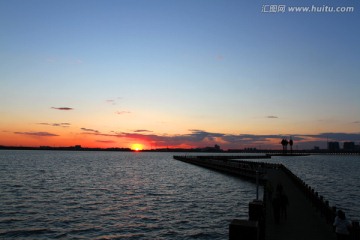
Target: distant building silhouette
333 146
216 148
349 146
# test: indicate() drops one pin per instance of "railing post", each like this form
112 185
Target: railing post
257 213
243 230
355 231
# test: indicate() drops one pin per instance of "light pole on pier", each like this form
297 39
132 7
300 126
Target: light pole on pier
257 185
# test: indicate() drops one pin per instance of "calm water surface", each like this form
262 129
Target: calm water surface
115 195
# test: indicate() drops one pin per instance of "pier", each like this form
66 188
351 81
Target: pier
309 215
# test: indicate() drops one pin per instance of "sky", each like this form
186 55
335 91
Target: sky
178 73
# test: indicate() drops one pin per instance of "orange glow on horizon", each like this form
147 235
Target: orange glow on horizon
137 147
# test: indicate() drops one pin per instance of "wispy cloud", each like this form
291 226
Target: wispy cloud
122 112
64 125
272 117
89 130
142 130
37 134
338 136
356 122
113 101
62 108
105 141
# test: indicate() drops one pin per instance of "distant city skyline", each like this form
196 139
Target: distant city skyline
153 74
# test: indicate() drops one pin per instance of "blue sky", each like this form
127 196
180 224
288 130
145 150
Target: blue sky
170 67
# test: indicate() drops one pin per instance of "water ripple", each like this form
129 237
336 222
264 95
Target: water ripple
88 195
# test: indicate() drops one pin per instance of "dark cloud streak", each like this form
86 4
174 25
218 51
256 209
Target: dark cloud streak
37 134
122 112
105 141
64 125
62 108
89 130
338 136
142 130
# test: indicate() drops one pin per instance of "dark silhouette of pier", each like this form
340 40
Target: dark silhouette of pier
303 220
309 215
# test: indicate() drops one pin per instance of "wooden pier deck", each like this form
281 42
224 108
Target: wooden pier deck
309 215
303 221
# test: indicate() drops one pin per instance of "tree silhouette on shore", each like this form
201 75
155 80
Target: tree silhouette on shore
284 143
291 142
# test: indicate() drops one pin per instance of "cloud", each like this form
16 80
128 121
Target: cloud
142 130
62 108
356 122
193 139
37 134
122 112
89 130
64 125
105 141
201 138
271 116
113 101
338 136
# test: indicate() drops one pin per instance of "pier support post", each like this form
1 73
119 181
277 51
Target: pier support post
257 213
355 231
256 210
243 230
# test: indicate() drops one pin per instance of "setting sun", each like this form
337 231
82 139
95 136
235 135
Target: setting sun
137 147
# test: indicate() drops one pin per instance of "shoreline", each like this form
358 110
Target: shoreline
192 150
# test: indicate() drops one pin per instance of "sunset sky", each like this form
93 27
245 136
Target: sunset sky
177 73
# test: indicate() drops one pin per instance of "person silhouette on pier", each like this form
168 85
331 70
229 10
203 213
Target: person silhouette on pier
269 189
279 188
276 204
284 202
280 203
342 226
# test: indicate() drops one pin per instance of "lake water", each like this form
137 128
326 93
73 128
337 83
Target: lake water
123 195
115 195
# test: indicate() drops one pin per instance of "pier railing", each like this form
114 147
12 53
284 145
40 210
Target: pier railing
320 204
245 169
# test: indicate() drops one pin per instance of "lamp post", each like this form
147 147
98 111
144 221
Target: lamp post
257 185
